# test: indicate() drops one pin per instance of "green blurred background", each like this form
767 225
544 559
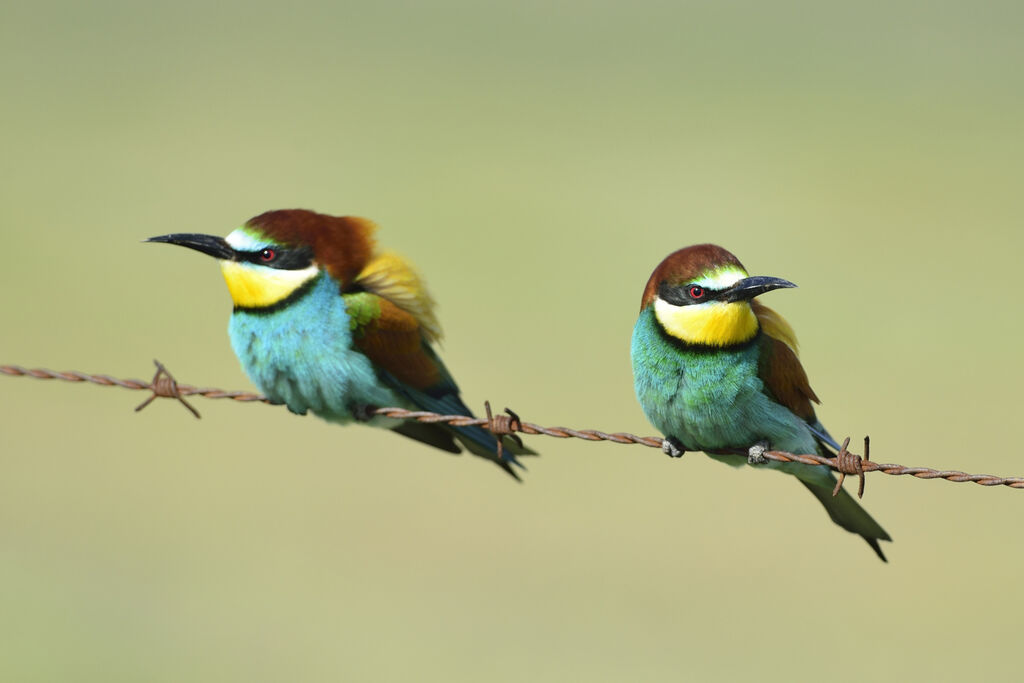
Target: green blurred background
536 160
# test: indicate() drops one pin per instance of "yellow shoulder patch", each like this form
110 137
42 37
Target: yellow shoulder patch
774 325
390 276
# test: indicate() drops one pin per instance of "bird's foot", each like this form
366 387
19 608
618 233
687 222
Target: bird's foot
363 413
755 456
672 447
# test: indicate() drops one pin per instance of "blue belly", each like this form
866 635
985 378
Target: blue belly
302 356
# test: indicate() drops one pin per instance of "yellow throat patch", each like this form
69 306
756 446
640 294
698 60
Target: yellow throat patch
714 323
255 286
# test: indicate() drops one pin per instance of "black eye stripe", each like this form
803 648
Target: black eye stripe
283 258
684 295
672 295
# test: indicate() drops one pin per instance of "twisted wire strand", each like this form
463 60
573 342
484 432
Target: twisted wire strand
845 462
135 384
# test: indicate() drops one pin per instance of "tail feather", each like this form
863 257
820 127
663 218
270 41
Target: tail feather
432 435
481 442
477 440
847 513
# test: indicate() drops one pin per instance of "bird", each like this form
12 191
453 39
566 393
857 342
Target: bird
714 369
324 322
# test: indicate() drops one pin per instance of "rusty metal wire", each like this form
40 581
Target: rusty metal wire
164 386
136 384
850 463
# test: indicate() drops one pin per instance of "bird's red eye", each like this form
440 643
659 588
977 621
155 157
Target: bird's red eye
268 255
696 291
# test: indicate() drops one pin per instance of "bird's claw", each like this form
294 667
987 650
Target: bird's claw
755 456
363 413
671 447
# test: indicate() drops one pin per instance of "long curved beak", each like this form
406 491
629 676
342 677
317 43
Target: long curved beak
749 287
208 244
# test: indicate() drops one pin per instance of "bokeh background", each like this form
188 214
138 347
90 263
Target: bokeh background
536 160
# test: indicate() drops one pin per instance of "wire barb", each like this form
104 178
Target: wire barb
501 426
165 386
850 463
514 424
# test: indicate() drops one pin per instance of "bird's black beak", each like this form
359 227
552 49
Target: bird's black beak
208 244
749 287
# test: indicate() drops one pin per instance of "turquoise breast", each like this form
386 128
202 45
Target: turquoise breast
709 398
302 355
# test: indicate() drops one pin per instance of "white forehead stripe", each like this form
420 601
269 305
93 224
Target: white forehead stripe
242 240
720 279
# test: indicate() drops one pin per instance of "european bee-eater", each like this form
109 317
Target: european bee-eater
323 322
714 369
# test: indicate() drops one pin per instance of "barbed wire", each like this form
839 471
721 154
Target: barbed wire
163 385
